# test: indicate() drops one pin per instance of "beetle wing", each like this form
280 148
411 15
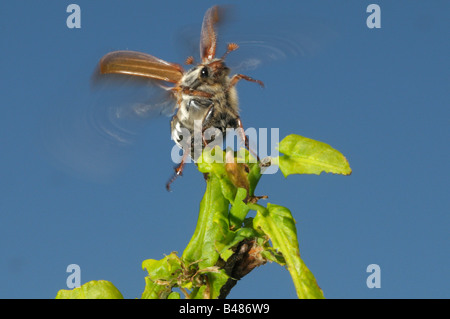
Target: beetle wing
140 64
208 36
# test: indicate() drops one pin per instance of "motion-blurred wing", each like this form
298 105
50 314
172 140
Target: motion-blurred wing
208 36
140 64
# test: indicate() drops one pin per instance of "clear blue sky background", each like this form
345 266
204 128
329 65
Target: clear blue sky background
73 193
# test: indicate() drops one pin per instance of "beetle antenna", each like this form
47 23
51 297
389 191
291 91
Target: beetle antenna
190 60
230 48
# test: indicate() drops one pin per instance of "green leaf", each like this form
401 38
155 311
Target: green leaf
174 295
277 223
212 291
216 281
94 289
212 225
212 160
162 275
162 269
239 209
155 291
253 177
234 238
306 156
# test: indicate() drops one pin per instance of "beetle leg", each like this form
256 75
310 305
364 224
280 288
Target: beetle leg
178 170
188 91
208 114
245 139
235 79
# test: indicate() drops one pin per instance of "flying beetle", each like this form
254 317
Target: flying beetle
204 94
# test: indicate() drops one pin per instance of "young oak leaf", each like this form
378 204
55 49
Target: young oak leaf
95 289
277 223
306 156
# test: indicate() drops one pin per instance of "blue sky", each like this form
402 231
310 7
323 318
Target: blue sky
71 193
